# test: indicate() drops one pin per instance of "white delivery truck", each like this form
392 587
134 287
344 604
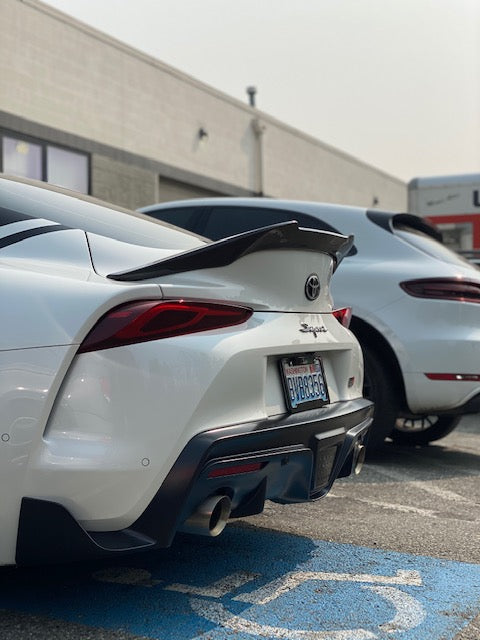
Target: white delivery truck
453 204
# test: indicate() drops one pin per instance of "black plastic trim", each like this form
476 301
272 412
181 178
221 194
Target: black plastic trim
226 251
289 445
30 233
10 217
387 220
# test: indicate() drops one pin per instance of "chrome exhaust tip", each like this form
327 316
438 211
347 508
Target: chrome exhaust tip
210 518
358 458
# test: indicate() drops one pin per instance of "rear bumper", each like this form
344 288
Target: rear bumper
295 458
471 406
425 396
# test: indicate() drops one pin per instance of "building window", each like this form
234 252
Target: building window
67 169
22 158
40 160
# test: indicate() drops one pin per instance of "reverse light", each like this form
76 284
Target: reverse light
443 289
152 320
344 316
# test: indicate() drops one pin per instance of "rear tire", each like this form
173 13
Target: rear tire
420 430
379 388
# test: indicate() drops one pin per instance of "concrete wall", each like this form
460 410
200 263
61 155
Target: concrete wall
130 110
124 184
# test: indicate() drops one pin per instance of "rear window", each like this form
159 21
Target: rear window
429 245
184 217
418 232
227 221
73 210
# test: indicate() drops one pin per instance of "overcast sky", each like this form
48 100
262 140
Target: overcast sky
395 83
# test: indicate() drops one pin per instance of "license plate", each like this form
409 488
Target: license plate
304 381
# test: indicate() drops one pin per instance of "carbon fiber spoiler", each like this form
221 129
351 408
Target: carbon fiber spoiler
226 251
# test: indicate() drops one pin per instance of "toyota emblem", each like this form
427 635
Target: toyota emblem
312 287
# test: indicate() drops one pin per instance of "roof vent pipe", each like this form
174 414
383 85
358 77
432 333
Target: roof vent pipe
251 95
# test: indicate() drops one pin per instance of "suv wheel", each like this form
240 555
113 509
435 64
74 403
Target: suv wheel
420 430
379 388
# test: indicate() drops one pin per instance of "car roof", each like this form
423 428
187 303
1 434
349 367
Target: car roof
78 211
303 206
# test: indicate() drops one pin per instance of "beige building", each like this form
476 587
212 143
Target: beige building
81 109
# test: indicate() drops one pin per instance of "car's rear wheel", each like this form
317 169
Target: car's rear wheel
379 388
420 430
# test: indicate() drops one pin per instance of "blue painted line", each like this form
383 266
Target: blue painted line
289 587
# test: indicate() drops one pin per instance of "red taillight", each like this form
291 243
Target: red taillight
151 320
457 377
234 470
344 316
443 289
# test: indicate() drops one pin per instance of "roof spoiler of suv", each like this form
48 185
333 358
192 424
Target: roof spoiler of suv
389 221
226 251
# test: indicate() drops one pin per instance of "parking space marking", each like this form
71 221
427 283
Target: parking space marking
444 494
409 613
251 583
428 513
219 588
217 614
286 583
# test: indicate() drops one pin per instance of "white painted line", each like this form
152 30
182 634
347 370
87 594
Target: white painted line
217 589
426 486
219 615
388 505
409 612
291 580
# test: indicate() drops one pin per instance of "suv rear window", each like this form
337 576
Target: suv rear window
429 245
419 232
228 221
225 221
184 217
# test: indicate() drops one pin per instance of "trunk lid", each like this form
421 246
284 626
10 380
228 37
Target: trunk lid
265 268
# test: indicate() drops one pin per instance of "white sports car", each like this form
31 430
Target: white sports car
415 306
151 382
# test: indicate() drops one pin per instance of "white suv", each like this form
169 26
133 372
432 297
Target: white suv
415 305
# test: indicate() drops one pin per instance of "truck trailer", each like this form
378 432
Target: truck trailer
452 203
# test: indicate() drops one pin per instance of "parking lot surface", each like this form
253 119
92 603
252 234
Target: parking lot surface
392 554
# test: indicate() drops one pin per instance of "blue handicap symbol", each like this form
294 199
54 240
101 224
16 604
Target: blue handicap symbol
251 583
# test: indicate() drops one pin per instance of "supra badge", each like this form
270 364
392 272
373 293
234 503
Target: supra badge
312 287
307 328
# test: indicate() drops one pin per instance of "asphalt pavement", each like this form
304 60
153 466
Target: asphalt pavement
393 554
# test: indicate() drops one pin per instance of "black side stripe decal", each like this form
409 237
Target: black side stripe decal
23 235
8 217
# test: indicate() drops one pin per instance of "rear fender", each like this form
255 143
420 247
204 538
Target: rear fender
367 335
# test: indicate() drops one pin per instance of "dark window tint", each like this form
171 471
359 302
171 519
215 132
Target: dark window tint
418 232
9 217
429 245
228 221
183 217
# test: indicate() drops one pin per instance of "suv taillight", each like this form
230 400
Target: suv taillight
443 289
151 320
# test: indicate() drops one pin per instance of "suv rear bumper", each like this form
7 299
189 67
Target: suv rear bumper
292 459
